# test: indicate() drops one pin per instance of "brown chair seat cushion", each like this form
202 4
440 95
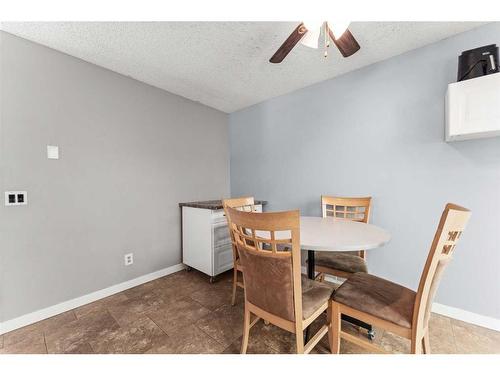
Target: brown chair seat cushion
378 297
340 261
314 294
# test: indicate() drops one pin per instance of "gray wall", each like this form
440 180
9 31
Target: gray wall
379 131
129 153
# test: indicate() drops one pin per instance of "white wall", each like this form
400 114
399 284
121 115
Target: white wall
379 131
129 153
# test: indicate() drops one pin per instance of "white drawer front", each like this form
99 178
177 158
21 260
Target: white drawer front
223 259
218 216
220 235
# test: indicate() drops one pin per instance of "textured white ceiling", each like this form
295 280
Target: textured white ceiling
225 64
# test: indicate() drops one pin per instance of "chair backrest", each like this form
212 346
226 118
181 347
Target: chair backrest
356 209
450 228
269 248
242 204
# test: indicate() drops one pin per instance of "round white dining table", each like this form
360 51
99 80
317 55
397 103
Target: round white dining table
336 234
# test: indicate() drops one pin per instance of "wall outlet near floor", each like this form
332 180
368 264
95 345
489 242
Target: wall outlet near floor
129 259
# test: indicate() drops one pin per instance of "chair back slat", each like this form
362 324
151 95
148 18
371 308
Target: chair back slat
243 204
453 221
355 209
268 245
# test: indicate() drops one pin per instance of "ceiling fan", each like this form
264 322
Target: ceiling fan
308 33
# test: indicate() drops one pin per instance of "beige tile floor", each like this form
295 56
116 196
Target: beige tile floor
184 313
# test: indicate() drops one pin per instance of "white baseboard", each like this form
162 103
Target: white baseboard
451 312
48 312
466 316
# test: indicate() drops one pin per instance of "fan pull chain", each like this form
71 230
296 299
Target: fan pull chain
327 42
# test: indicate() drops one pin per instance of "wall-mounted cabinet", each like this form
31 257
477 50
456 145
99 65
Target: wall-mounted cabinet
473 108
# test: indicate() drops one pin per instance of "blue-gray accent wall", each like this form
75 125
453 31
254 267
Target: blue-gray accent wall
379 131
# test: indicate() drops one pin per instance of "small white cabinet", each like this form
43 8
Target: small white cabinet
206 245
473 108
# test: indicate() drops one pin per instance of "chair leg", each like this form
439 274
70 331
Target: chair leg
299 336
235 281
329 323
416 346
246 331
335 327
425 344
299 339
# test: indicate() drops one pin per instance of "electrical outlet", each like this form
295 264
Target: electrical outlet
16 198
129 259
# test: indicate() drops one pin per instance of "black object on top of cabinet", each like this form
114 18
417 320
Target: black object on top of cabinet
478 62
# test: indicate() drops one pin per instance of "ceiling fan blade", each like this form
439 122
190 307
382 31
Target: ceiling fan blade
346 44
288 44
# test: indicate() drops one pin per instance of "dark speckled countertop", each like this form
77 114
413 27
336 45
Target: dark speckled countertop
211 205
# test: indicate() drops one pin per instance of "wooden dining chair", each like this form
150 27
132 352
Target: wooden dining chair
269 248
343 264
244 204
393 307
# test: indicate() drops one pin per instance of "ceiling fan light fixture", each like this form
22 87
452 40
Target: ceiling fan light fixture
308 33
311 39
313 24
338 27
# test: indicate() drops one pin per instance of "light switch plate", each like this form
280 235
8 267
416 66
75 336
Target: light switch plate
16 198
52 152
